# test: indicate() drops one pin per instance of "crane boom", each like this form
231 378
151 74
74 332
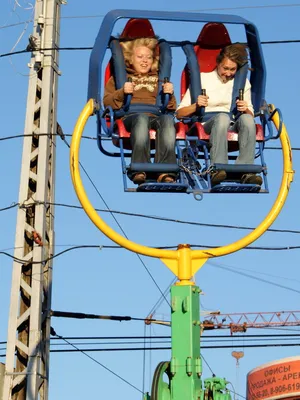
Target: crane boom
240 322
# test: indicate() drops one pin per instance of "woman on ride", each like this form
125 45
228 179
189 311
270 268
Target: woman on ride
141 59
219 86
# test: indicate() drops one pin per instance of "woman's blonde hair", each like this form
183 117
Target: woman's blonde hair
129 46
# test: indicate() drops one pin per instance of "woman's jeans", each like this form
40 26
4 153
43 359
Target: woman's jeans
217 128
138 125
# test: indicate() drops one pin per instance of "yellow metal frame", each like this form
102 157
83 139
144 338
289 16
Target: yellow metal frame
183 262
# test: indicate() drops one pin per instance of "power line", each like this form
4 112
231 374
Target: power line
77 315
16 24
246 7
100 247
49 134
159 348
169 348
210 347
198 10
207 365
234 392
252 277
234 342
168 337
164 219
4 138
160 300
93 359
80 48
13 205
119 225
20 261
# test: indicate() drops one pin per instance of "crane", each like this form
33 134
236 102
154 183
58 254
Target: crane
240 322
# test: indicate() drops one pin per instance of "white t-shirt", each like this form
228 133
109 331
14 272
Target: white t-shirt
219 93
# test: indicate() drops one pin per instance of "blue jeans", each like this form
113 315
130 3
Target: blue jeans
138 125
217 128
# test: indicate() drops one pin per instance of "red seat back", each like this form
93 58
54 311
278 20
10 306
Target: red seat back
134 29
212 38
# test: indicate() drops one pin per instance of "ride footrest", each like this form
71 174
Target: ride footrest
235 171
153 170
154 167
233 187
162 187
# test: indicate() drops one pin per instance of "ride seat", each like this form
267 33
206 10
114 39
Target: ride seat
134 29
211 40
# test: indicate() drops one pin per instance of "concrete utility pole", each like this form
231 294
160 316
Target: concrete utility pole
28 341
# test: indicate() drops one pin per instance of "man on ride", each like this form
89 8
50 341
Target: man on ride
219 86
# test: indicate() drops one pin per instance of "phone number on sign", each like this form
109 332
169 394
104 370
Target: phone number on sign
285 388
277 389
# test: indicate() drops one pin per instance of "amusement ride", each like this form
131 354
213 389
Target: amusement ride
181 376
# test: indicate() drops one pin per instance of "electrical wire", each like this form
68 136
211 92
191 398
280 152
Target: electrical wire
79 48
164 219
15 24
93 359
207 364
203 9
160 300
234 392
104 138
13 205
120 227
13 11
100 247
211 347
246 7
22 135
252 277
20 261
204 336
80 315
234 342
144 360
264 273
167 338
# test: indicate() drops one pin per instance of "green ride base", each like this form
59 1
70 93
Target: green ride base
181 377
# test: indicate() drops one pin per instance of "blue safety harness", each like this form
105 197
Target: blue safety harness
195 83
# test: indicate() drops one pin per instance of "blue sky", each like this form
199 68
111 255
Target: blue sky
114 282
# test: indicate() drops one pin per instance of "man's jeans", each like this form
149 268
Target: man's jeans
217 128
139 125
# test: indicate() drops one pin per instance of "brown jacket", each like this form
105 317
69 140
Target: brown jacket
145 91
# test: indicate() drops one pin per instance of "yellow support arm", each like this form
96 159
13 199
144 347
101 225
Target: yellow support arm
183 262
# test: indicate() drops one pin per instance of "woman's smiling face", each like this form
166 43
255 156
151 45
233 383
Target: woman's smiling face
226 69
142 59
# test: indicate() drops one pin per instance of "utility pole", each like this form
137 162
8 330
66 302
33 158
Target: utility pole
28 340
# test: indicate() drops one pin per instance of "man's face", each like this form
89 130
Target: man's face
142 59
226 69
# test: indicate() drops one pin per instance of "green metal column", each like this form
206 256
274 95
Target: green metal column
186 366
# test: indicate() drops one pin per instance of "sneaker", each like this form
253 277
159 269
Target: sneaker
218 176
165 178
139 178
252 179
